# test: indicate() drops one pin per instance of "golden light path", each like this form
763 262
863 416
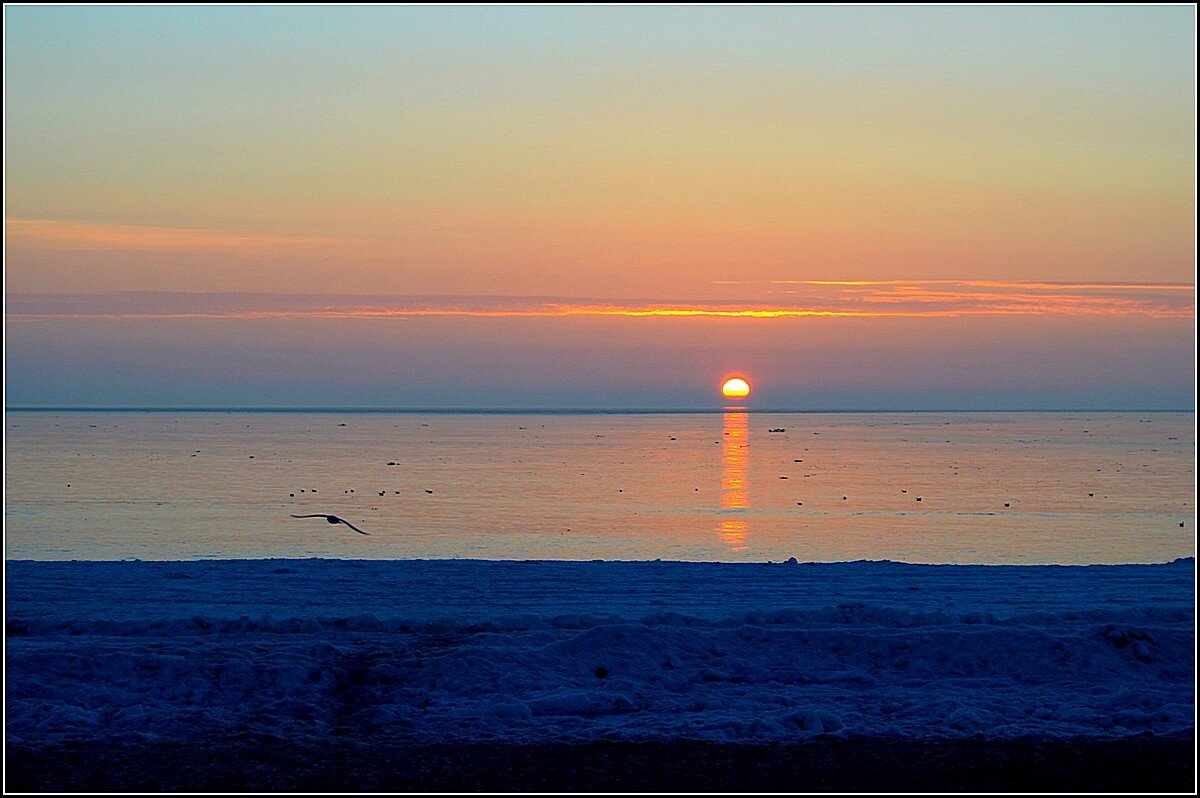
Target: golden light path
734 459
735 491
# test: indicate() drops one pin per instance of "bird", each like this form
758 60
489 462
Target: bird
333 519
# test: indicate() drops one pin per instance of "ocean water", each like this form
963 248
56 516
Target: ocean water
733 486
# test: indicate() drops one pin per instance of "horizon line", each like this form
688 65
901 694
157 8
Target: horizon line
549 410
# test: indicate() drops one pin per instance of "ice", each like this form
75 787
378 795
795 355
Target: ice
534 651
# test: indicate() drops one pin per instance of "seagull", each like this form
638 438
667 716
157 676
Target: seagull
333 519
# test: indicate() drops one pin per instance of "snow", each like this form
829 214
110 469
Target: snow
532 651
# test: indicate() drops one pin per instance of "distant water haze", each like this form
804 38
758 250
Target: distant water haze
1053 361
917 487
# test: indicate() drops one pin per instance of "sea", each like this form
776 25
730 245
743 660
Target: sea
732 485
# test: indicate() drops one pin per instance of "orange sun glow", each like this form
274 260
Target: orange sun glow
735 388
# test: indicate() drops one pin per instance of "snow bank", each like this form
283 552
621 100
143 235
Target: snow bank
514 651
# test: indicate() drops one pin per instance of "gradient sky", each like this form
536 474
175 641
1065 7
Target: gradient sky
872 207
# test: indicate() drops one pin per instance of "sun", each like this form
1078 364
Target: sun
735 388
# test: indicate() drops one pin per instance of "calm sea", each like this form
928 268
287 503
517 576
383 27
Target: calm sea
932 487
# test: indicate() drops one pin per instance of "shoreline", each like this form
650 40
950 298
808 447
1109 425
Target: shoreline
656 561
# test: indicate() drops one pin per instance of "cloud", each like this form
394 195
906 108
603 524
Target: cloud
914 299
65 234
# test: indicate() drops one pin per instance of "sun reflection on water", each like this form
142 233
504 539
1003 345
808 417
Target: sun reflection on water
735 489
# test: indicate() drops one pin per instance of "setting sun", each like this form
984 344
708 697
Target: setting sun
735 388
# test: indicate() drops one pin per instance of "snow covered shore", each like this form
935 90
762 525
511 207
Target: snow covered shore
531 652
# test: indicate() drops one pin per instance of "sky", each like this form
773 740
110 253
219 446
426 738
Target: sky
865 207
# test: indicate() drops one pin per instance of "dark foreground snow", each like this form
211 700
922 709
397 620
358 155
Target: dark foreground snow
458 652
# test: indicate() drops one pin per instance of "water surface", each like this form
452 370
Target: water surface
915 487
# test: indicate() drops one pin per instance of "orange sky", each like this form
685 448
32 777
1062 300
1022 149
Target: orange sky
687 167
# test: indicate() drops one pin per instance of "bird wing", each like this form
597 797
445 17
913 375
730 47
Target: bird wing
352 526
311 515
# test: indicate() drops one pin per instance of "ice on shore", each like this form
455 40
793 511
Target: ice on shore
534 651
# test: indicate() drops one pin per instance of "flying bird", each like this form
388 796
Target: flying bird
333 519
